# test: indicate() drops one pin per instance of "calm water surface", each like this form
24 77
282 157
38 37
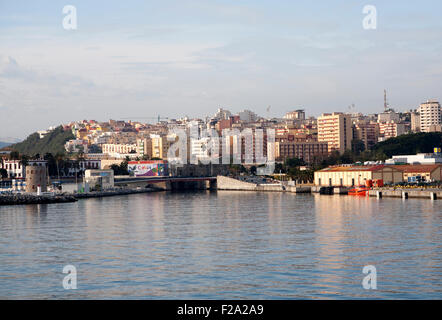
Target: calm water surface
225 245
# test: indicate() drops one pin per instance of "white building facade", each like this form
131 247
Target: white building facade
430 115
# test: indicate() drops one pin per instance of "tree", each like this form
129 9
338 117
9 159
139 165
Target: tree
293 162
52 164
24 160
357 146
120 170
253 170
14 155
279 168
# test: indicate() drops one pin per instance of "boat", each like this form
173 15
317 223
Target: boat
358 191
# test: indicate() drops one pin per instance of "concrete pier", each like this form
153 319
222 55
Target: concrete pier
406 194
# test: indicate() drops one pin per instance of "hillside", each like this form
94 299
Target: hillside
410 144
53 143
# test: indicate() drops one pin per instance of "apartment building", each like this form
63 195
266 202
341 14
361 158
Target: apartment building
113 149
336 130
14 168
392 129
415 120
144 147
309 151
367 132
430 115
295 115
161 145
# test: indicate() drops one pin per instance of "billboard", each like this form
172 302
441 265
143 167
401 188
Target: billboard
152 168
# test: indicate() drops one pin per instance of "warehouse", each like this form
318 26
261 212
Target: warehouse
353 175
421 173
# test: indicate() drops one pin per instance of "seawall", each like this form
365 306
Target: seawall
227 183
18 199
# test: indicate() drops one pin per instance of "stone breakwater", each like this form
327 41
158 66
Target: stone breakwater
23 198
17 199
109 193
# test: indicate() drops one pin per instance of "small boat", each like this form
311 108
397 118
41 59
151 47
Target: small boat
358 191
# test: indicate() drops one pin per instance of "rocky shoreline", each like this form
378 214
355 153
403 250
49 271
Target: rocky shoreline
23 198
20 199
110 193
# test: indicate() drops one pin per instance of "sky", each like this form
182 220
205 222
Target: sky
140 59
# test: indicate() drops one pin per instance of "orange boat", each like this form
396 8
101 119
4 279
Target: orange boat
358 191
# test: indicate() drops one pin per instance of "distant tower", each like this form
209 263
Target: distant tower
36 177
385 101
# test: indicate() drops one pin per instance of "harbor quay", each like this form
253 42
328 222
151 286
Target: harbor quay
232 184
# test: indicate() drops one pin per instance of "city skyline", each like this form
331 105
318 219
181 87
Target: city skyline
188 59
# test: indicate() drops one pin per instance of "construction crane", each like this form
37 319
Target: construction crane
159 118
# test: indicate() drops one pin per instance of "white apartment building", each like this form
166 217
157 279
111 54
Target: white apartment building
76 145
388 116
113 149
80 166
247 116
222 114
295 115
14 168
415 122
430 115
336 130
201 149
420 158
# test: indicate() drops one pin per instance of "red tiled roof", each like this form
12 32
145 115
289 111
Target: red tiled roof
417 168
353 168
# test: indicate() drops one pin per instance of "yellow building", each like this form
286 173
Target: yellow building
161 145
335 129
351 175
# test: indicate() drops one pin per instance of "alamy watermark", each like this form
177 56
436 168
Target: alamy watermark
70 281
370 280
249 146
70 20
370 21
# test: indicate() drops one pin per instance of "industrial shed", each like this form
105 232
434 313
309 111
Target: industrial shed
353 175
421 173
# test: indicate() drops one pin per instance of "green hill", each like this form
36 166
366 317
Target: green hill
410 144
53 143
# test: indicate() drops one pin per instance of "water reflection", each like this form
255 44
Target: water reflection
223 245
